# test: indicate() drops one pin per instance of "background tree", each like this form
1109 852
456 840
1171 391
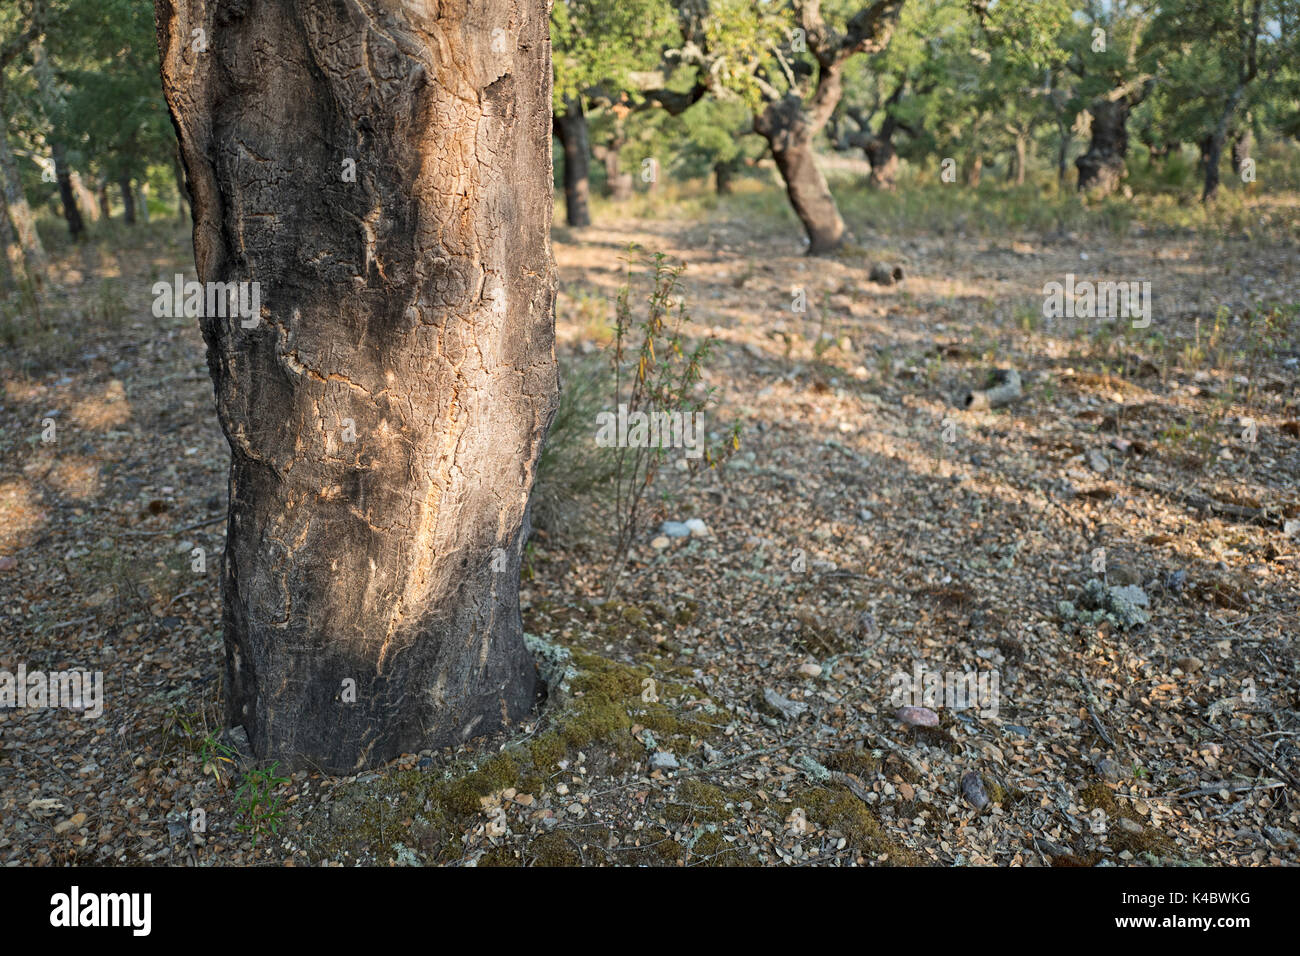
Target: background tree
19 28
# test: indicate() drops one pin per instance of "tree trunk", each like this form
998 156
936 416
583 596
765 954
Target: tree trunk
974 169
409 308
26 259
1101 168
85 197
67 195
1064 137
784 125
618 184
142 202
128 199
724 175
571 128
1241 144
49 98
1019 158
105 210
884 161
1211 159
182 191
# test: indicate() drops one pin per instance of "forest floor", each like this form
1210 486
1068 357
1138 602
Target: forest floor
736 702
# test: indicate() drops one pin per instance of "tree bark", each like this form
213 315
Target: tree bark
49 97
85 197
182 191
142 201
618 184
128 199
409 306
724 175
1102 168
883 158
1064 136
27 259
1241 144
785 126
101 193
1211 159
571 129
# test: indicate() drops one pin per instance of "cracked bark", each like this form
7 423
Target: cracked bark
415 300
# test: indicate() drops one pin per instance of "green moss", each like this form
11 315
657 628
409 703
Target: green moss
837 808
1098 795
1119 837
854 760
1148 841
428 813
711 848
500 856
686 613
702 802
463 795
552 849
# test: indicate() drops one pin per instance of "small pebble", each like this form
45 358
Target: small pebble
918 717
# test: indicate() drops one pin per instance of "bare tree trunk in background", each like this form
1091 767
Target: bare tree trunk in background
85 198
785 126
618 184
27 258
49 97
571 128
1064 137
724 175
142 203
790 125
386 414
101 193
1101 168
1241 144
1019 157
128 199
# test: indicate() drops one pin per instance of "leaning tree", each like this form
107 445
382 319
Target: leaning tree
382 170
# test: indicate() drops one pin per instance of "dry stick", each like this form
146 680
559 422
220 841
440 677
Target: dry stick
1089 699
188 527
1202 503
1259 755
1209 791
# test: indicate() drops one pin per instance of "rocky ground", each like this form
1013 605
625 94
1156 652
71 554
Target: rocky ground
1114 557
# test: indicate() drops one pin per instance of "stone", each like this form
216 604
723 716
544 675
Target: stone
778 706
663 760
918 716
973 791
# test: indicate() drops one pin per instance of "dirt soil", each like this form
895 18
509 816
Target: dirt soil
736 703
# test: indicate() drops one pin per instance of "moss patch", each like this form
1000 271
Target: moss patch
594 710
837 808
